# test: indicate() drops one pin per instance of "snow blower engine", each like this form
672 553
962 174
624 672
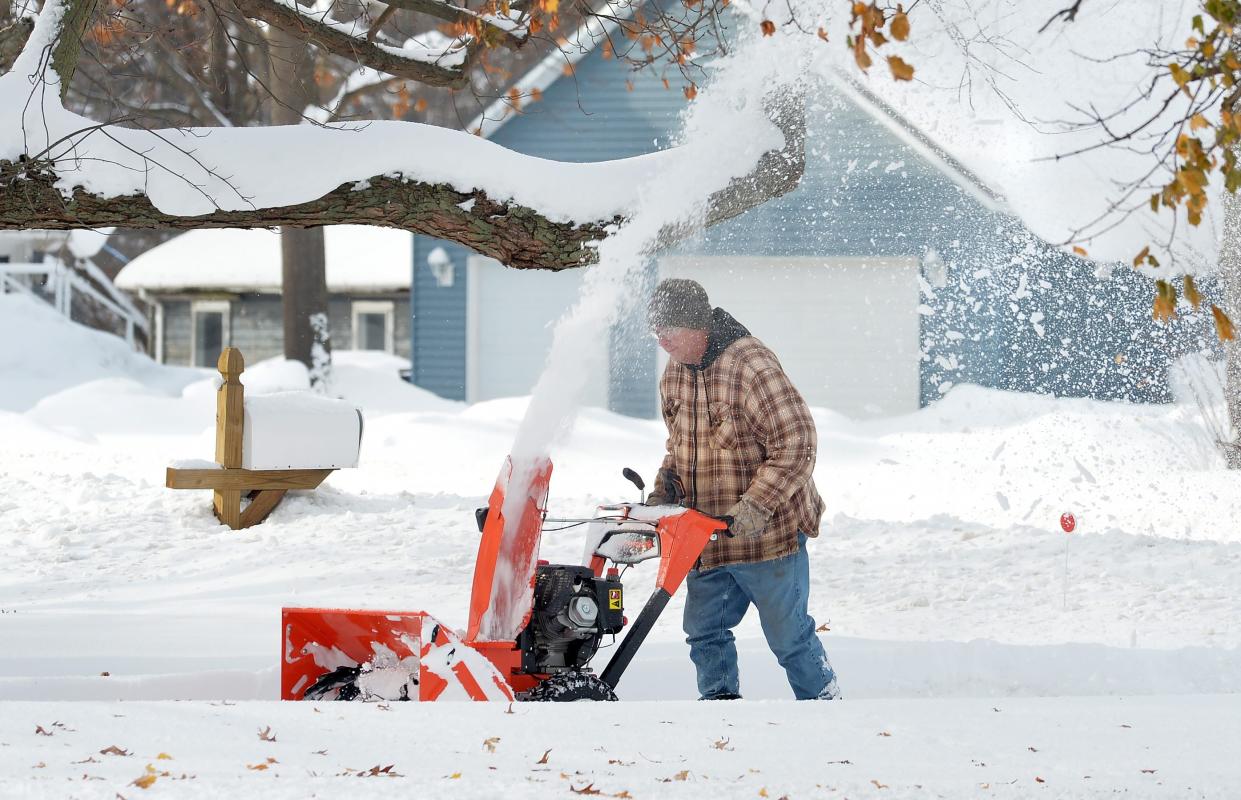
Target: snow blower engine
534 627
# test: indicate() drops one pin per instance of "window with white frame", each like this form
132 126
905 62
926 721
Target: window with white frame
211 331
372 325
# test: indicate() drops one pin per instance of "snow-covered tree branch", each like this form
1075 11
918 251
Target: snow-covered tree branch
60 170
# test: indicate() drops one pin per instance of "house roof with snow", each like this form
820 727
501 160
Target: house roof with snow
359 258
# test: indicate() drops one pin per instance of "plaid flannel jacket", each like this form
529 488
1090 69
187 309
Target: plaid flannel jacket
739 426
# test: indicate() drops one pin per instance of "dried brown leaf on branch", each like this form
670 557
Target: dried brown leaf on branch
1190 290
1164 307
900 24
1223 325
901 71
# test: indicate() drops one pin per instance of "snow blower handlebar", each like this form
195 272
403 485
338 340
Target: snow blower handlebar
682 537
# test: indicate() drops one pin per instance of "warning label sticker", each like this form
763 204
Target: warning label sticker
614 600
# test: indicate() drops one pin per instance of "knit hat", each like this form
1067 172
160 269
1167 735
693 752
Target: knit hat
679 303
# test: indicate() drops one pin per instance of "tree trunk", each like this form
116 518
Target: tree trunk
304 296
303 264
1230 284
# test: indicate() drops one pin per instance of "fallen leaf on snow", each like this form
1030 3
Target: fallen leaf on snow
878 785
884 733
113 750
380 772
455 776
163 757
266 734
587 789
546 753
822 628
722 744
490 744
144 782
256 767
40 730
1039 780
1148 771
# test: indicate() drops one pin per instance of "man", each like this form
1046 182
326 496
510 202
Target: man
741 443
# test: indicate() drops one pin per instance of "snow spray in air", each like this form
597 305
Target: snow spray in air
724 134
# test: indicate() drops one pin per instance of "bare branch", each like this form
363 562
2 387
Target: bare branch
329 36
1068 14
511 37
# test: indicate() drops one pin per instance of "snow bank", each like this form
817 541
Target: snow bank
45 353
1136 747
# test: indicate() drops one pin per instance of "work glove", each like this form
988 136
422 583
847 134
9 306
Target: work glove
749 518
668 489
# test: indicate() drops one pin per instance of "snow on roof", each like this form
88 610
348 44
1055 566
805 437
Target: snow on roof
359 258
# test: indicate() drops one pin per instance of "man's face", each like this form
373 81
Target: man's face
686 345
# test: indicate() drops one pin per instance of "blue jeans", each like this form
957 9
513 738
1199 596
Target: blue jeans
716 601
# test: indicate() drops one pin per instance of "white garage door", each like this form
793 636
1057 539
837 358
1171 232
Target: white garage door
510 317
845 329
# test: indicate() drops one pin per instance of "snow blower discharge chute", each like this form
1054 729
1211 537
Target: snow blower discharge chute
533 628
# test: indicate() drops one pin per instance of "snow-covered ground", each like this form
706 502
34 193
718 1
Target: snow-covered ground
939 574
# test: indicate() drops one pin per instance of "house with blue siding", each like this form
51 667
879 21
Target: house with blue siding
890 275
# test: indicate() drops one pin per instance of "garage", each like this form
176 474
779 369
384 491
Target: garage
845 329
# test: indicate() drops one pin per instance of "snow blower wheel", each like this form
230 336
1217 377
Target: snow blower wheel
568 687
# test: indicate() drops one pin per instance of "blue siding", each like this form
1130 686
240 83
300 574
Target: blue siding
593 116
438 324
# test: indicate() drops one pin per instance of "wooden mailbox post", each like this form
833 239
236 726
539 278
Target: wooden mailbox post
231 483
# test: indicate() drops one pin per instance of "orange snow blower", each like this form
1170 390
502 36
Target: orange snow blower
533 628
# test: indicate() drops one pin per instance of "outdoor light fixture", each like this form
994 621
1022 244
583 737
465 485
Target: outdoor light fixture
441 266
